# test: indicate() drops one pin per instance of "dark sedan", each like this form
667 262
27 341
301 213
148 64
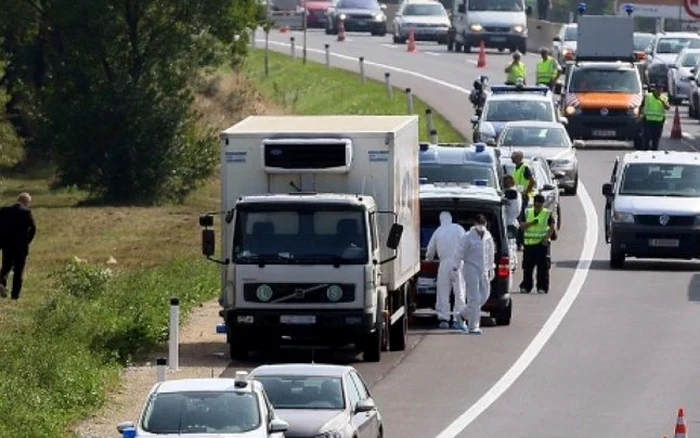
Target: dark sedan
357 16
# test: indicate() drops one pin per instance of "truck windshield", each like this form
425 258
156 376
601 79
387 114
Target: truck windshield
610 81
458 173
496 5
283 236
679 180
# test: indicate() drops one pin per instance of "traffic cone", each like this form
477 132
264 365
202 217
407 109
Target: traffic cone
284 29
341 31
681 427
676 131
411 46
481 62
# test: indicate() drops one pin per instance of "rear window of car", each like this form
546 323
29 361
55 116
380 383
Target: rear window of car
358 4
513 110
425 10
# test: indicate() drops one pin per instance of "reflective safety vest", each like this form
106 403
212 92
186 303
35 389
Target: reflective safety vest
546 70
519 177
516 72
654 110
535 234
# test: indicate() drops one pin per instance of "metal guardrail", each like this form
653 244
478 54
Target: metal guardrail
290 19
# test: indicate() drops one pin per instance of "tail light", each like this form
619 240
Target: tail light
503 267
429 268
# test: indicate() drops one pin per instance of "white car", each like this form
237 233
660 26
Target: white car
208 408
681 73
663 52
565 44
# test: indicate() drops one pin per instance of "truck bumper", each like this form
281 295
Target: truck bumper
495 40
661 242
604 128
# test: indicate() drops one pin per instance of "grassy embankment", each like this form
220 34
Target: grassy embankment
99 278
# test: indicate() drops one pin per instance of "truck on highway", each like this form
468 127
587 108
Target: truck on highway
320 231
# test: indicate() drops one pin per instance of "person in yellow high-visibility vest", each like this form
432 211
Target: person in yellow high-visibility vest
515 70
538 225
654 108
548 69
525 184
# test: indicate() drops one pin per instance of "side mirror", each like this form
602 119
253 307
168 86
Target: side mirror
607 189
208 242
558 88
548 187
558 175
475 119
206 221
382 7
124 425
392 242
556 39
579 144
366 405
491 142
528 11
462 9
563 120
278 426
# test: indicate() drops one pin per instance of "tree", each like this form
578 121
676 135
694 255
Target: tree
104 86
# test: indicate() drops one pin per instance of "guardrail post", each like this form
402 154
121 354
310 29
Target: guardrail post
429 120
362 69
328 55
174 344
409 101
253 32
161 362
389 88
433 136
292 47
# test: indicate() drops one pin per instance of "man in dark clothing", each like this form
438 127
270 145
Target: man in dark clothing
17 230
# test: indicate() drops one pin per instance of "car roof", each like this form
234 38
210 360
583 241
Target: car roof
534 124
302 369
678 35
662 157
537 97
482 193
459 154
218 384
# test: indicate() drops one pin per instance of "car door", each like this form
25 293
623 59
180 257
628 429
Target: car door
608 201
359 421
371 418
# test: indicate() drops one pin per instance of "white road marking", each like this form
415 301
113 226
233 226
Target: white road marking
390 46
590 241
471 61
432 53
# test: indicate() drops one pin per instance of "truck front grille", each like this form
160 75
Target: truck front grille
299 293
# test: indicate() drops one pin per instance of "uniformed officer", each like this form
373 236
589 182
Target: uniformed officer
548 69
515 70
654 109
538 225
525 183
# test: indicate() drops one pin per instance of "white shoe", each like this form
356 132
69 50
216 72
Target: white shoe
475 331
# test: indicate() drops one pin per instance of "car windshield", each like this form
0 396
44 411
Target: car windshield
304 392
642 41
690 59
518 110
425 9
675 45
202 412
570 33
605 80
457 173
285 235
496 5
358 4
534 136
680 180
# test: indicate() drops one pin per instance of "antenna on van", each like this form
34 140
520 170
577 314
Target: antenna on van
296 187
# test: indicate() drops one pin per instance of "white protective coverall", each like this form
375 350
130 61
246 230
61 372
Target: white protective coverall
477 255
445 241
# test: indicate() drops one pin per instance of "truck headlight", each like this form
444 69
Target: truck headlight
476 28
571 110
625 218
264 293
518 29
342 16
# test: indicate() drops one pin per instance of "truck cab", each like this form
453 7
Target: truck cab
498 24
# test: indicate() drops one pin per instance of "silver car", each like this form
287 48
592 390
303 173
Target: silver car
321 401
545 183
565 44
664 50
680 75
548 140
427 18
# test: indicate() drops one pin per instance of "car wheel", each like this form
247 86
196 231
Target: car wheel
328 31
523 49
503 317
399 330
617 257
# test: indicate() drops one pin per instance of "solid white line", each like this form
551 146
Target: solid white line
389 46
557 316
471 61
432 53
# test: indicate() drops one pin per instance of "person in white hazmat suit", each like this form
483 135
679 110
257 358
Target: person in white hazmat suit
445 242
476 253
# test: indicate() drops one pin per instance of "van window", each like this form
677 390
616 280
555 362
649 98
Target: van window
496 5
605 80
677 180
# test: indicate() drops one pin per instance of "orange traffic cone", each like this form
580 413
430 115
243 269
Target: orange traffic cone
681 427
341 31
676 131
284 29
481 62
411 45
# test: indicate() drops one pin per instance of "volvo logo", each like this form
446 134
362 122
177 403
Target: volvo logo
604 112
663 219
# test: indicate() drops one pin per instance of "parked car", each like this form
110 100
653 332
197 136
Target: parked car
680 74
427 18
221 407
545 183
357 16
565 43
321 401
548 140
662 53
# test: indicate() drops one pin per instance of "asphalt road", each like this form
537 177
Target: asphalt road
603 354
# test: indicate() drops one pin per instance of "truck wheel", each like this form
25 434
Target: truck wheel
503 317
373 345
398 333
617 258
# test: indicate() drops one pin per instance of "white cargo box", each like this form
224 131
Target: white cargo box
375 156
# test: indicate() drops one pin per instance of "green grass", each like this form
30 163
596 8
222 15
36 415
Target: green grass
77 323
315 89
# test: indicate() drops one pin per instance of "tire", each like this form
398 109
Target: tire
503 317
372 349
396 39
398 331
691 112
617 258
522 49
450 44
328 31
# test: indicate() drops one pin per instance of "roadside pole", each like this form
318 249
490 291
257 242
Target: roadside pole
304 24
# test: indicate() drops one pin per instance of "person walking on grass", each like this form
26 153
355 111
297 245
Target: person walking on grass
17 230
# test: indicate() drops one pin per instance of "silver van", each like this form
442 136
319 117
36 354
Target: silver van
652 206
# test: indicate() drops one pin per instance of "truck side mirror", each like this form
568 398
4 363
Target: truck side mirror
206 221
392 242
462 8
607 189
208 242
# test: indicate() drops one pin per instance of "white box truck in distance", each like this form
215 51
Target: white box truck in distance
320 231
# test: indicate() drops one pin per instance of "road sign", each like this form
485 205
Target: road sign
692 7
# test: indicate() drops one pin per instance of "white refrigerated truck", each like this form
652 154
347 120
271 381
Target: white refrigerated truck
320 231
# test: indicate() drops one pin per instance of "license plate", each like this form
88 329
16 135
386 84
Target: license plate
298 319
598 133
664 243
498 39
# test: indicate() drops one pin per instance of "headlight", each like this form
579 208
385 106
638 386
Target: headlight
331 434
634 111
334 293
517 29
571 110
476 28
342 16
626 218
264 292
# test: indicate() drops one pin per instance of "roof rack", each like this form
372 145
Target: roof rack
507 89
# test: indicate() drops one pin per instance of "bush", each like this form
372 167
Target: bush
54 368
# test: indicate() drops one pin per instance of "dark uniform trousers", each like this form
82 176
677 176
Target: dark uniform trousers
536 257
652 135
